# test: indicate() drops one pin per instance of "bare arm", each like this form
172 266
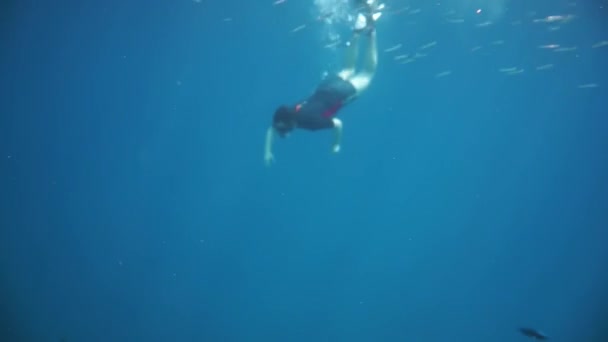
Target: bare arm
338 135
268 156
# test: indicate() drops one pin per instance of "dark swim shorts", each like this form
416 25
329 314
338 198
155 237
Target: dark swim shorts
318 110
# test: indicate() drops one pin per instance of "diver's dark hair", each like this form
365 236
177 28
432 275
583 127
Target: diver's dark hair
283 114
283 120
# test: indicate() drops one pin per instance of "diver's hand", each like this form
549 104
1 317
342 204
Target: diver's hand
335 149
268 158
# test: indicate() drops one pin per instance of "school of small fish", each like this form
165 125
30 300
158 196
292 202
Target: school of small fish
548 26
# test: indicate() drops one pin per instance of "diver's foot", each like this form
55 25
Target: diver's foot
367 17
373 8
361 23
365 23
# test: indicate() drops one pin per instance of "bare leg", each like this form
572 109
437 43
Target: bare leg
371 55
361 79
350 59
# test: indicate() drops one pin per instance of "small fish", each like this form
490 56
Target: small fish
443 74
407 60
512 69
544 67
299 28
427 46
549 46
565 49
393 48
587 86
515 72
533 333
555 19
455 21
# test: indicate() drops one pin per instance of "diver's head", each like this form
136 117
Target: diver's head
284 120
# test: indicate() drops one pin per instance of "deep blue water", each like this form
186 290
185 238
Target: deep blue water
136 206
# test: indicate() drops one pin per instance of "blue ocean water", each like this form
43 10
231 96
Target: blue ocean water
469 198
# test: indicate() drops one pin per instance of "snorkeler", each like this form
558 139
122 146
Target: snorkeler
320 109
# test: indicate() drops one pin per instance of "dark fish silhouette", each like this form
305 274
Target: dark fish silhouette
535 334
